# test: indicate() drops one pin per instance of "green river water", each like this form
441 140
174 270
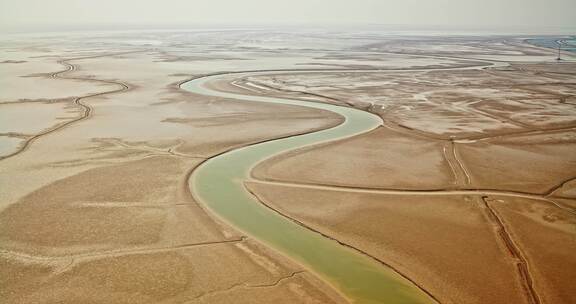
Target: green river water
218 184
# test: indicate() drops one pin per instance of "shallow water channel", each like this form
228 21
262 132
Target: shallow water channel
218 184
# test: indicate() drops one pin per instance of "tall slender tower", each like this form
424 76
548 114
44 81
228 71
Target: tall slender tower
559 42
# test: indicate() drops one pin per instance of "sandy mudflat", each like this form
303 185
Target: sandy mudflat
503 135
366 161
459 104
547 236
99 211
535 164
95 205
132 234
9 144
427 238
37 116
16 79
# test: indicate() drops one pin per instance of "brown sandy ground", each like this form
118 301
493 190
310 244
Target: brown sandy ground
390 159
432 240
567 189
435 239
546 237
100 211
131 233
535 163
399 161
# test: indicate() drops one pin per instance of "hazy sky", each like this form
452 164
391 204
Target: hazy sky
16 14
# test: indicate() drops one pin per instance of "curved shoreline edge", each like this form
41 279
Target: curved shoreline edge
218 183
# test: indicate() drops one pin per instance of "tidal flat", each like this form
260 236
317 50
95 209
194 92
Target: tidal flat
385 168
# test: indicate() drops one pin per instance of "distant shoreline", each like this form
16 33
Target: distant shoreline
552 43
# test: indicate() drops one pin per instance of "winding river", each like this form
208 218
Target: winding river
218 184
